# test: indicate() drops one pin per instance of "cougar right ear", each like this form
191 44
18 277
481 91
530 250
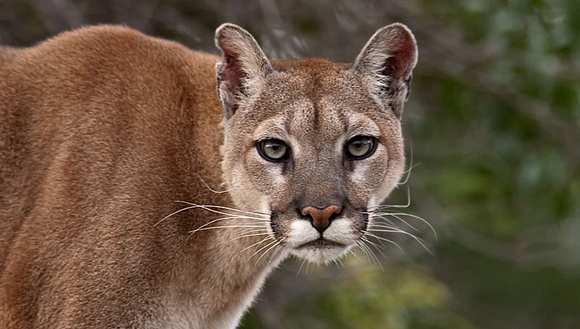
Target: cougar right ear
386 63
243 68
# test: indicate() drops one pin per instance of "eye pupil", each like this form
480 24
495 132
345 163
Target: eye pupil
360 147
273 150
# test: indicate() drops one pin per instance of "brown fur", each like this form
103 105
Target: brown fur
102 130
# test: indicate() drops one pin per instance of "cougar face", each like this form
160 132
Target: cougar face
314 144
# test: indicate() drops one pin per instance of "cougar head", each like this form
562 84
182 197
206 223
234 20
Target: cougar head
312 143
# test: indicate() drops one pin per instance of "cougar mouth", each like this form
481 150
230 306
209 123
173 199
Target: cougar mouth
321 243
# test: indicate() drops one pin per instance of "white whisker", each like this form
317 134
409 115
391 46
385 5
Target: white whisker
412 216
248 234
208 208
223 227
414 237
411 167
264 247
386 240
368 253
210 188
172 214
383 218
257 243
368 243
217 220
278 242
213 207
251 235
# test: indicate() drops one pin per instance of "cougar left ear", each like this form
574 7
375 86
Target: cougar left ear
243 68
386 64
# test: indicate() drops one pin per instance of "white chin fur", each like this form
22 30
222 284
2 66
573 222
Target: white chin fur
320 255
302 232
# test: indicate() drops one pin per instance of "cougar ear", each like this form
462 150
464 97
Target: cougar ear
243 68
386 64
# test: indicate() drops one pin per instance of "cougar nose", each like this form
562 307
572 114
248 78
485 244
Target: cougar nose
321 218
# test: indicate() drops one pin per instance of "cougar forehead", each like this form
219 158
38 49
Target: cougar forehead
315 99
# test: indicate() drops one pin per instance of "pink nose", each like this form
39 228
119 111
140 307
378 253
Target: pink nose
321 218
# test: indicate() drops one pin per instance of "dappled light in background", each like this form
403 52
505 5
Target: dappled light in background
493 132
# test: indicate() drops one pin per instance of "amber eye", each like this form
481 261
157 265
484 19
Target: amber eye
273 150
360 147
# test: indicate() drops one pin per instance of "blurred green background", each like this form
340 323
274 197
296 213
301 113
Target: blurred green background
493 127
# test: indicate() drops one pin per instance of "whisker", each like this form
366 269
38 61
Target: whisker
217 220
206 207
212 208
397 217
368 243
386 240
371 243
172 214
412 216
264 247
248 234
419 240
385 225
210 188
374 216
222 227
251 235
359 246
268 250
411 167
366 250
257 243
391 229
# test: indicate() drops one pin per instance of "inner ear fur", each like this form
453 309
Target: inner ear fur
243 68
386 64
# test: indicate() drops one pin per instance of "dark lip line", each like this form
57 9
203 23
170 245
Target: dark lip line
320 242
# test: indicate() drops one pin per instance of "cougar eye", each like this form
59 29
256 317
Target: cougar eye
273 150
360 147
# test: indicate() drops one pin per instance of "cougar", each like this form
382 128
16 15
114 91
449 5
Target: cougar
146 185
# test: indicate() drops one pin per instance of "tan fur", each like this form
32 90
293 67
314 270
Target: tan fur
104 128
